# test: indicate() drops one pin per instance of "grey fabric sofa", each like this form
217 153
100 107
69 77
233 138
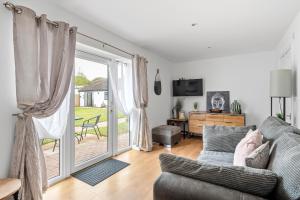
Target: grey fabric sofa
185 179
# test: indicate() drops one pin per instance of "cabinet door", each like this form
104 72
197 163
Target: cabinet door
196 129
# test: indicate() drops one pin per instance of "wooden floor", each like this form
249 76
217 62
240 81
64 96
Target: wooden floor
133 183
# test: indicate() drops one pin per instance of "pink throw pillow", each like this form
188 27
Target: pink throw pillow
246 146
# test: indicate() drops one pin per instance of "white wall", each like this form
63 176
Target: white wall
159 106
245 76
288 56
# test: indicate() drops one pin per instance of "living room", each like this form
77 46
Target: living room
130 84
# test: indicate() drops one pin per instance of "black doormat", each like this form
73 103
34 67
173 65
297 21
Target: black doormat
100 171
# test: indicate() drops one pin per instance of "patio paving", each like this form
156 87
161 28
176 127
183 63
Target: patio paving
88 148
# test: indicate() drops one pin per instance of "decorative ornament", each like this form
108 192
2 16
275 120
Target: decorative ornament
157 83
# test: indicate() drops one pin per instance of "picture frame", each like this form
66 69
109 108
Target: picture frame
219 100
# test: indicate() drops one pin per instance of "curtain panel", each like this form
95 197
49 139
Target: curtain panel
44 60
142 138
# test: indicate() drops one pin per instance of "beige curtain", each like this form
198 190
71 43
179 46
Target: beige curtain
44 59
141 134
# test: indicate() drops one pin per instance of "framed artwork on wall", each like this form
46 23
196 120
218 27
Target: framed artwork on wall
218 101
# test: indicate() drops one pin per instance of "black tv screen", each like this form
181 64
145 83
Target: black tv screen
191 87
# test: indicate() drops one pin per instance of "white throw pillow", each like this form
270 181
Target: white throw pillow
246 146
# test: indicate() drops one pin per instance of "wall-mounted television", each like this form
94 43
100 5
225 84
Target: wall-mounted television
189 87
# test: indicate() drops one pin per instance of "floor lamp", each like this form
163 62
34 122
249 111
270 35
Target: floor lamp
281 87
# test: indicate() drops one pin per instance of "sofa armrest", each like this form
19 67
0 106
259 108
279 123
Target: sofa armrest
258 182
171 186
223 138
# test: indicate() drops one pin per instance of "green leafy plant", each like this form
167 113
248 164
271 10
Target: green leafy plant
81 80
280 116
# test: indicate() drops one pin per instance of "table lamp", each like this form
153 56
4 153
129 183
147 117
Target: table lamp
281 86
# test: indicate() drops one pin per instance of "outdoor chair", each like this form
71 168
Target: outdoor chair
91 123
55 143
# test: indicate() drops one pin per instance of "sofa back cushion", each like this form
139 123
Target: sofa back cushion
223 138
273 127
285 162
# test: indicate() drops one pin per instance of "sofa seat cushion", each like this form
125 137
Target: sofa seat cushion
285 162
216 158
258 182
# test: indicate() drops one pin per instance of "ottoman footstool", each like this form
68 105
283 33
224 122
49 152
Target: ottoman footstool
166 135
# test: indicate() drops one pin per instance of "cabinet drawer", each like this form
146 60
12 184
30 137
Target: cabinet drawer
195 122
209 123
234 119
197 116
216 117
196 129
228 124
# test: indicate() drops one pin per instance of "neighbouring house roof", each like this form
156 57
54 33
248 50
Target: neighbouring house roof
98 84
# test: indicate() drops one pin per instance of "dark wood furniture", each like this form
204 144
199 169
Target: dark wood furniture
197 120
181 123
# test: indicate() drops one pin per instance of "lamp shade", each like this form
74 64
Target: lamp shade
281 83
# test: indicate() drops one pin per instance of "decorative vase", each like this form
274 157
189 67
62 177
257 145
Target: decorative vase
174 113
236 107
195 106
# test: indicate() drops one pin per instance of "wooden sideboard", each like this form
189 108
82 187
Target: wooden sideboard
197 120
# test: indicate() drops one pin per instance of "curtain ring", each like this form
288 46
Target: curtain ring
12 7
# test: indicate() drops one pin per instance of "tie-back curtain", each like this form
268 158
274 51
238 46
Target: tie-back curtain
44 60
142 138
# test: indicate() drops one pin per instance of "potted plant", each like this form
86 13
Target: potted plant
280 116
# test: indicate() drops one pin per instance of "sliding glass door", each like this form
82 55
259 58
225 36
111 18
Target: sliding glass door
100 128
91 111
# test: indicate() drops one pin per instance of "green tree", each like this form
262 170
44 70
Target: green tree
81 80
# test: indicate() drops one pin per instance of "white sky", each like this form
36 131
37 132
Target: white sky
90 69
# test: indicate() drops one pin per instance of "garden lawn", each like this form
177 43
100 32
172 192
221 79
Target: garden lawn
90 112
122 129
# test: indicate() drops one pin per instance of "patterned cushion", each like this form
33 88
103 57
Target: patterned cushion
273 127
254 181
285 162
259 157
246 146
216 158
222 138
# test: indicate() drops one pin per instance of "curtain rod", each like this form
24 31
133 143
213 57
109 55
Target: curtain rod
12 7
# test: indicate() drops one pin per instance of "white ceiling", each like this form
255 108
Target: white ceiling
164 26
